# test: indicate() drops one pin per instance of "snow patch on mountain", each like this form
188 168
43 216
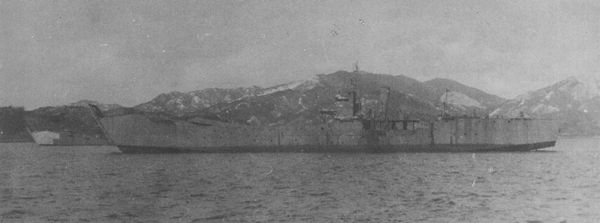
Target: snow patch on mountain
196 99
548 96
496 112
461 100
303 85
228 98
544 109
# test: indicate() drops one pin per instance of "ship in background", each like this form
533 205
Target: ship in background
345 126
63 126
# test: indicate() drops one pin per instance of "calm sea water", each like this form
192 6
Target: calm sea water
99 184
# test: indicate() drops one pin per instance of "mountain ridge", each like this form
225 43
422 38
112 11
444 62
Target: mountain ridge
439 85
572 102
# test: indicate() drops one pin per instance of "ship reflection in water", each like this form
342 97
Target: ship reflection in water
100 184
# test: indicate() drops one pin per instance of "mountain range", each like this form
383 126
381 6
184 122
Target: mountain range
407 95
574 103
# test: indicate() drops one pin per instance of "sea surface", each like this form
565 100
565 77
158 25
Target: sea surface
100 184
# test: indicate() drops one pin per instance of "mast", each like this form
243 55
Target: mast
445 104
386 105
355 103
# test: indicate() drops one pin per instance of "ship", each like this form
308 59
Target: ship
345 127
63 126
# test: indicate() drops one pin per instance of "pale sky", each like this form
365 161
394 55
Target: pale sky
127 52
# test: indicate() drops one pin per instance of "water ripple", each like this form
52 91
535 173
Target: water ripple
62 184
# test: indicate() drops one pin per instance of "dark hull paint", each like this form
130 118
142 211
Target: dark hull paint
342 149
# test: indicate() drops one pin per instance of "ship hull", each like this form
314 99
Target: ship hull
138 133
439 148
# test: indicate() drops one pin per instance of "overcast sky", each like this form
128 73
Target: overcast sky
127 52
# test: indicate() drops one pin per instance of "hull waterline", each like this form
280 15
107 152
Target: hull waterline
341 149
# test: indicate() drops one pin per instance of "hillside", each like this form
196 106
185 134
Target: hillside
304 99
180 103
12 125
462 95
194 102
101 106
573 102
